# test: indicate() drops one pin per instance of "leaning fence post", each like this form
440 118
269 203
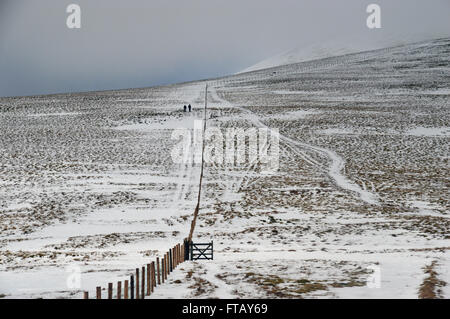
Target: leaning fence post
137 283
157 269
125 290
99 292
119 290
132 286
86 295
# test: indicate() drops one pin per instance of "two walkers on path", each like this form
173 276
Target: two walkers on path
189 107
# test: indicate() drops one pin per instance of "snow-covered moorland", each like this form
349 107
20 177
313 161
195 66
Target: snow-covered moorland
359 207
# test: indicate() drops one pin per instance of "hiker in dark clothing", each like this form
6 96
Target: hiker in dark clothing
185 108
189 107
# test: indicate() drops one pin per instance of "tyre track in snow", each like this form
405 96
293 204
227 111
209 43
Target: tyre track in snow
334 170
234 183
186 177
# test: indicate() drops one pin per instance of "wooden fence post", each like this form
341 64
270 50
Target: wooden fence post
143 283
187 245
170 261
181 253
137 283
185 251
119 290
167 265
110 290
174 253
175 257
157 269
86 295
132 286
99 292
162 269
153 276
152 271
148 280
125 290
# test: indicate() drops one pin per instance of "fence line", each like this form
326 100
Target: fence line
146 278
197 207
157 272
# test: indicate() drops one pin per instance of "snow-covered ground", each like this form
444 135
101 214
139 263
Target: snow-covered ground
358 208
332 48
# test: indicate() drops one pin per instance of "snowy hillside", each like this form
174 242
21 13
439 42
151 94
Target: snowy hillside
358 208
326 49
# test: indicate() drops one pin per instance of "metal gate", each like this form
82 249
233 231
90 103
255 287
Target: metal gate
201 251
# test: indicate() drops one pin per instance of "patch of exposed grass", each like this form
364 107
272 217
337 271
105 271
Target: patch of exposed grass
431 285
284 287
310 287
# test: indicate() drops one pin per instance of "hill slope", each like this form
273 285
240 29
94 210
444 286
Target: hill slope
330 48
358 207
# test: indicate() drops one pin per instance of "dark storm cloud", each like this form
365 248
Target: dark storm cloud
138 43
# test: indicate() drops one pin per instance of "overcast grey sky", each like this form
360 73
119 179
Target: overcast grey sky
139 43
